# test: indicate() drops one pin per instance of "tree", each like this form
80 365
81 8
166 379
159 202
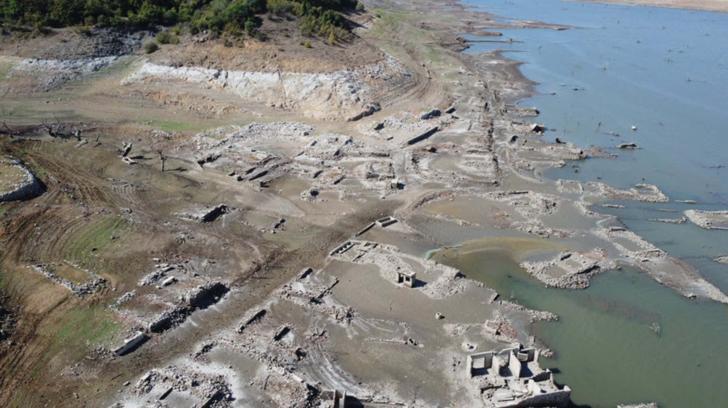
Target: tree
66 12
162 157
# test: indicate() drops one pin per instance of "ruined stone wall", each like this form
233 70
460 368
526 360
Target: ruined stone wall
29 188
552 399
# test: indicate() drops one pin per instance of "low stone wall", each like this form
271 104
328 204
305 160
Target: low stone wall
560 398
29 188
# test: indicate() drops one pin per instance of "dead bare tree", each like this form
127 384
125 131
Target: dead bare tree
162 157
159 146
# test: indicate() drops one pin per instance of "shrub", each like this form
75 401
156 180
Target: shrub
280 7
250 26
151 47
166 37
317 17
83 30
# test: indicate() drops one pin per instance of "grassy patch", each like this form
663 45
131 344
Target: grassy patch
17 111
86 326
174 126
387 21
5 68
77 332
93 238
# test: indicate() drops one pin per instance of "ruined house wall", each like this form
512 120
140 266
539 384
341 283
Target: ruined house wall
29 188
553 399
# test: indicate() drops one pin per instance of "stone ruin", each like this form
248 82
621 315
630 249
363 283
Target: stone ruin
407 278
132 343
27 187
206 215
94 284
513 378
334 399
386 221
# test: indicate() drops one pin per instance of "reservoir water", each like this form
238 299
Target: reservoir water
664 71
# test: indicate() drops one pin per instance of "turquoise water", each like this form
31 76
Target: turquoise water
666 72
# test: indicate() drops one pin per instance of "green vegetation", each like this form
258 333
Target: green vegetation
4 70
235 17
86 326
150 47
78 331
175 126
167 37
93 238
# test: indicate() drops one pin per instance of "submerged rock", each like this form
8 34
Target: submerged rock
628 146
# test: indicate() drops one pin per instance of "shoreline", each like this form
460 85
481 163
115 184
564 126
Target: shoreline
717 6
590 208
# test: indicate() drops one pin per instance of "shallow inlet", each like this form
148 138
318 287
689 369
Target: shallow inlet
625 339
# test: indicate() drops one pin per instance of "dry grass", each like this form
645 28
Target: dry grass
10 176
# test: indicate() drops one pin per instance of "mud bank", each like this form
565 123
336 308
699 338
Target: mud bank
336 95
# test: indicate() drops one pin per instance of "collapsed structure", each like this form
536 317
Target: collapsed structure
17 182
512 378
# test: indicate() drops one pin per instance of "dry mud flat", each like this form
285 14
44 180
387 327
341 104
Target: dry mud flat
321 335
278 260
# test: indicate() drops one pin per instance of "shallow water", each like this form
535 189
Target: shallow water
663 71
625 339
